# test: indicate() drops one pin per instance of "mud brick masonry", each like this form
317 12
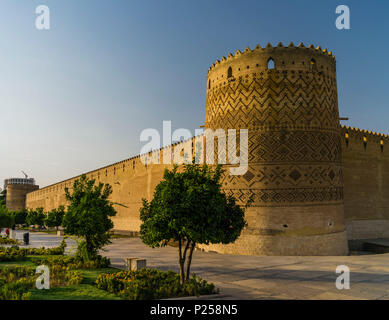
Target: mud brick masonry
315 183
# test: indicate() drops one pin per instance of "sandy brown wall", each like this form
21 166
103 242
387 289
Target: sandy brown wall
365 157
131 180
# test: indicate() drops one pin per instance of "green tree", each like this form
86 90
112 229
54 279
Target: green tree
88 214
190 208
55 217
20 216
36 217
3 196
6 219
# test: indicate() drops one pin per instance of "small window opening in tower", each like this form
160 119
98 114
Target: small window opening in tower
270 63
312 65
229 72
209 84
347 137
382 145
364 142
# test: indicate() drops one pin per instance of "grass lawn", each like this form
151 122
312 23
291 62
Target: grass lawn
86 290
24 263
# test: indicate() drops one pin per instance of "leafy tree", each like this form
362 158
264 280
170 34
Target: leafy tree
6 219
20 216
3 196
88 214
190 208
55 217
36 217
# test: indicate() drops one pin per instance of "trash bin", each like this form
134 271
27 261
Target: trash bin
26 238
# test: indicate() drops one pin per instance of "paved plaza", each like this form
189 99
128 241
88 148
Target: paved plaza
258 277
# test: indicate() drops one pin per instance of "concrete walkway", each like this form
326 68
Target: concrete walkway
264 277
259 277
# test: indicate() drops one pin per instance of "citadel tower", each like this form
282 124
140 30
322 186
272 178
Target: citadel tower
287 99
17 189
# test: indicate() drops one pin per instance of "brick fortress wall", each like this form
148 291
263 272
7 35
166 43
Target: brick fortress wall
309 185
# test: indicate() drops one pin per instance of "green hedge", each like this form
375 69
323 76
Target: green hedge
15 253
8 240
73 262
12 254
147 284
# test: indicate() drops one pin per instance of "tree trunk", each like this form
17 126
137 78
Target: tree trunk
180 262
182 259
189 261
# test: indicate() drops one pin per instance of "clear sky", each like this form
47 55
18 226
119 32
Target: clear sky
76 97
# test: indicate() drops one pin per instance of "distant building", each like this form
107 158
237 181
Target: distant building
17 188
30 181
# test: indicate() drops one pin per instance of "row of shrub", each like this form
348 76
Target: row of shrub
13 253
15 282
146 284
8 240
73 262
16 253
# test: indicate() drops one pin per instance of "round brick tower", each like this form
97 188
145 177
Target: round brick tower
17 189
287 99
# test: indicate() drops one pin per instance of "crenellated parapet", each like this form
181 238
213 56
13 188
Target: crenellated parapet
289 88
368 140
250 63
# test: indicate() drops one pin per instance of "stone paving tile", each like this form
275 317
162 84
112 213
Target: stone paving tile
263 284
334 296
365 276
383 279
294 267
298 291
303 274
380 269
320 284
369 290
241 293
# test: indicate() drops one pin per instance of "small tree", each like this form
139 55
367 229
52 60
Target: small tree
190 208
55 217
6 219
20 216
36 217
88 214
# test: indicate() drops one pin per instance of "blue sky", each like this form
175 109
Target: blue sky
76 97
